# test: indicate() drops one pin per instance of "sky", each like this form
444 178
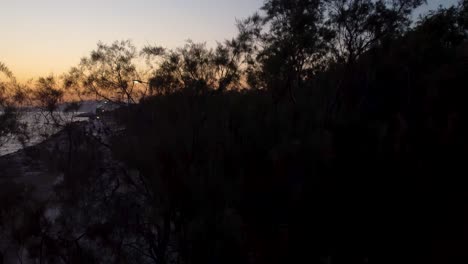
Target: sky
39 38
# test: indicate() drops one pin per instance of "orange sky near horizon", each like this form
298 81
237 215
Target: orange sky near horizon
46 37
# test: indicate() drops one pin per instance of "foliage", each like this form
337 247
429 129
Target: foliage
109 72
245 163
348 146
361 25
285 45
47 95
193 67
10 97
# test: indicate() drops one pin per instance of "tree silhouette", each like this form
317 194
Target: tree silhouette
11 96
203 172
285 44
360 25
109 73
194 67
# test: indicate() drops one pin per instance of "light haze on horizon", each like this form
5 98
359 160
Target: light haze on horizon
50 36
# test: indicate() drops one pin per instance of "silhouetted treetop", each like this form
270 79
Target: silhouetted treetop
109 72
362 24
193 66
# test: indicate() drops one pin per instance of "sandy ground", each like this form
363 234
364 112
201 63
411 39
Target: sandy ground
25 167
29 167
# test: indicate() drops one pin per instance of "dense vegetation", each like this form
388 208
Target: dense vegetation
327 131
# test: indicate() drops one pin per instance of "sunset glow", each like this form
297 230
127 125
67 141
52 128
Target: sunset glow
233 131
43 37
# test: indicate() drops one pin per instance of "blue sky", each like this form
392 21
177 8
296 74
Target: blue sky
41 37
